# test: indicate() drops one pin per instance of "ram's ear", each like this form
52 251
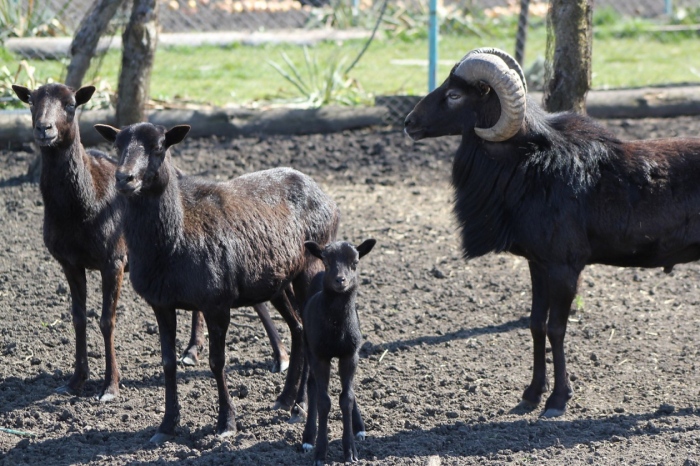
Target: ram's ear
176 134
314 249
23 93
83 95
366 247
107 132
484 87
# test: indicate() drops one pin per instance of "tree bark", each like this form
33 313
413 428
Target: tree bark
84 44
138 51
570 80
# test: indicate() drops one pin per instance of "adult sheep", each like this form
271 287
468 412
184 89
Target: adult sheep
198 244
558 190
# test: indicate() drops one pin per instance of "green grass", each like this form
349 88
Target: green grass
241 74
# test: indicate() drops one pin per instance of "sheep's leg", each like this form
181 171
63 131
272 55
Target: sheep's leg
301 404
308 439
562 286
167 326
348 406
78 292
322 373
111 286
190 357
217 325
278 350
538 328
288 308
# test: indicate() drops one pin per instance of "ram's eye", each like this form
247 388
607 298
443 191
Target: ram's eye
70 107
453 95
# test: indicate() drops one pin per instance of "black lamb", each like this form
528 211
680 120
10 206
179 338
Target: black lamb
558 190
198 244
332 330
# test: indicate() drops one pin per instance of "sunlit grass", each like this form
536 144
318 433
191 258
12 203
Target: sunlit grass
240 74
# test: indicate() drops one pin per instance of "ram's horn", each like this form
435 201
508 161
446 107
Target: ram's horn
495 67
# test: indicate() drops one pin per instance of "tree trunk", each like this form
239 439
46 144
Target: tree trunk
82 49
138 51
570 78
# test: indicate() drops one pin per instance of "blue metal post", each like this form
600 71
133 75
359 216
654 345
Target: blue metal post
433 32
669 7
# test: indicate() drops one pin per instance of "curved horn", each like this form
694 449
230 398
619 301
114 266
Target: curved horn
508 84
510 61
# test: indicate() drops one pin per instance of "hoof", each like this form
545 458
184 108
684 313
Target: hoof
307 447
296 418
160 438
551 412
226 433
280 366
188 360
361 435
67 391
107 397
279 405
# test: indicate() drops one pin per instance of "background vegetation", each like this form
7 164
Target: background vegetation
627 52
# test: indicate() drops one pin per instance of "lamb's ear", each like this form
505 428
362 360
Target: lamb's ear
366 247
83 95
176 134
314 249
107 132
22 92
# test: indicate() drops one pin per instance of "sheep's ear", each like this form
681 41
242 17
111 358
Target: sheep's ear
176 134
22 92
314 249
484 88
107 132
83 95
366 247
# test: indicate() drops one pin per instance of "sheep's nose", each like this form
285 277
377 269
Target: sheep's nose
123 180
408 121
340 280
41 126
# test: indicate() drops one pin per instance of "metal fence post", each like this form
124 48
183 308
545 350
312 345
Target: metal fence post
669 7
432 45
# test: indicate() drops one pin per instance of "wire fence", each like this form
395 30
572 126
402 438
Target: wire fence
58 19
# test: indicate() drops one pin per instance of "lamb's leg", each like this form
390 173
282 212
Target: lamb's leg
538 328
111 286
322 374
167 327
217 325
352 420
278 350
289 310
562 290
78 292
190 357
308 439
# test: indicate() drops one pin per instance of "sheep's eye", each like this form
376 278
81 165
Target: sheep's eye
70 107
453 95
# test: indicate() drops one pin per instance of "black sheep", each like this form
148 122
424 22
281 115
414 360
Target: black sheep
332 330
82 219
558 190
198 244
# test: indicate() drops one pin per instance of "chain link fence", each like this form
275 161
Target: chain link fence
58 19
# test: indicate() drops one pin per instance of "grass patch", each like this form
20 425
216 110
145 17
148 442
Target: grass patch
240 74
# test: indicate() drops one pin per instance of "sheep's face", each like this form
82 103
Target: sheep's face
142 148
451 109
340 259
53 112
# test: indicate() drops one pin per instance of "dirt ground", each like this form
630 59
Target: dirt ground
447 352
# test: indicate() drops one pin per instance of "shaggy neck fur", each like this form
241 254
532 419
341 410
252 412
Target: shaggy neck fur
491 179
